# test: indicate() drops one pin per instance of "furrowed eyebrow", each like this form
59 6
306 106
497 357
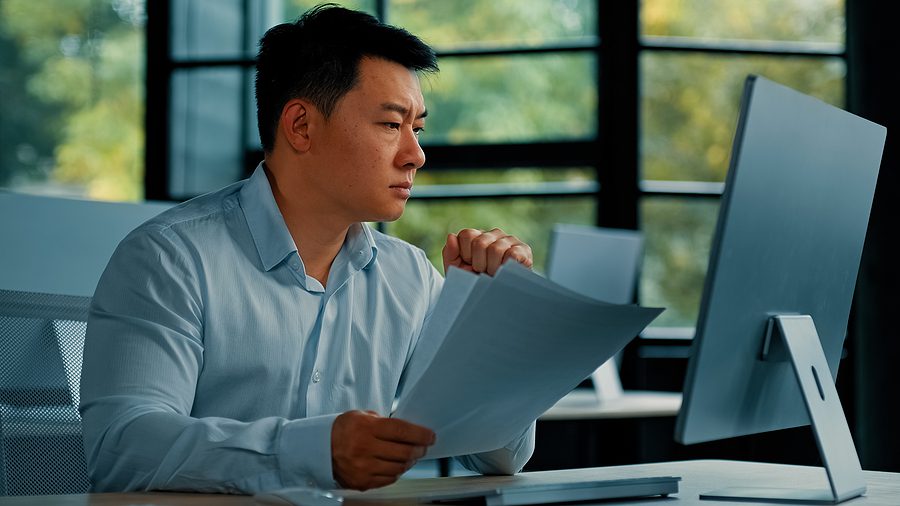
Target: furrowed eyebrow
390 106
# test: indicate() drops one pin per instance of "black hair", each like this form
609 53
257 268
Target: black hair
317 58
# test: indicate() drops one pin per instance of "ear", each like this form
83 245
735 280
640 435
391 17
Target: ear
294 124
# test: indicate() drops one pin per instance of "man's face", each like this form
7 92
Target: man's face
368 149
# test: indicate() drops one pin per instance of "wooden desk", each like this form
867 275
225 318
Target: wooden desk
697 476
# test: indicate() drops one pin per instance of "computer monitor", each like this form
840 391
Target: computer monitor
781 275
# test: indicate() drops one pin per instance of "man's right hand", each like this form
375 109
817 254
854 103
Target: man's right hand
369 451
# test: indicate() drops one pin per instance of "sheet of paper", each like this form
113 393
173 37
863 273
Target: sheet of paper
459 287
509 355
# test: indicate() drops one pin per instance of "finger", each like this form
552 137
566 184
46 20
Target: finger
365 479
479 252
401 431
499 251
520 253
480 247
379 467
397 452
450 253
466 236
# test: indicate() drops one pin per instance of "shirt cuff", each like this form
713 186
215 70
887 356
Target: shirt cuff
304 452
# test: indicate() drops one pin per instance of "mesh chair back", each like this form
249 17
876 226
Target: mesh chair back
41 345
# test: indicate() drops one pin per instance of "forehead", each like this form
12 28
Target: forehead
382 81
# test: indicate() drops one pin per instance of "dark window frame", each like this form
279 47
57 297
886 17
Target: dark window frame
618 189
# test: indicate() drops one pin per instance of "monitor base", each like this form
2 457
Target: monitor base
774 495
794 338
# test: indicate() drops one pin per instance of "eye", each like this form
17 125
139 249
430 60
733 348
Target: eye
392 126
418 130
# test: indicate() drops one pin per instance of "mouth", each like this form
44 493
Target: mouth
403 189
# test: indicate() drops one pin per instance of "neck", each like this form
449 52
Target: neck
318 236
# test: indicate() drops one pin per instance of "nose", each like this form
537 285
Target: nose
410 154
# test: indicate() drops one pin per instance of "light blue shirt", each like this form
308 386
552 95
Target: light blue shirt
212 362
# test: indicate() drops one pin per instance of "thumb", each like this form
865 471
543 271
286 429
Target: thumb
450 253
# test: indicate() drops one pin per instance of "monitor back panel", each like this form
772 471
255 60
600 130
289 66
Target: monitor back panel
789 238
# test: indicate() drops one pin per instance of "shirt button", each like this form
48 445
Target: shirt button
317 376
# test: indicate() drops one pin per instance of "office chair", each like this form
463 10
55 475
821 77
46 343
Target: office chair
41 345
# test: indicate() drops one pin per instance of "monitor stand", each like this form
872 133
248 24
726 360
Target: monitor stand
794 338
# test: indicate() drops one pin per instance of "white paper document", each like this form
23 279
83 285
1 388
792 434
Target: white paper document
500 351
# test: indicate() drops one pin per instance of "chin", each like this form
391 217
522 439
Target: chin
387 215
392 217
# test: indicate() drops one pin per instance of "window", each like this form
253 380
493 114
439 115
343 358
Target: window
512 73
71 116
693 60
582 111
547 47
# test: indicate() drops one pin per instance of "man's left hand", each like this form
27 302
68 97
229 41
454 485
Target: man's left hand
477 251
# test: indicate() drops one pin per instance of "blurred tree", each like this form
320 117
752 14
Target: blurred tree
785 20
688 111
294 8
26 135
502 99
506 98
689 107
72 108
81 68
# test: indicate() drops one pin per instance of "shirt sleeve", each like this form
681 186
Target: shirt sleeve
142 357
435 284
508 460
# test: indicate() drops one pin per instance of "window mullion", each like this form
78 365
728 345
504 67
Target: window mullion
156 116
618 27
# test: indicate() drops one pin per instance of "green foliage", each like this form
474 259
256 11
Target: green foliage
26 140
426 224
82 63
690 104
689 109
511 99
501 99
460 23
72 108
677 235
791 20
294 8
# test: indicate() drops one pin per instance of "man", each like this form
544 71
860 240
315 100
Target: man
254 338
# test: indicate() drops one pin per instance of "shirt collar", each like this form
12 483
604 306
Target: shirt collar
361 244
273 239
270 234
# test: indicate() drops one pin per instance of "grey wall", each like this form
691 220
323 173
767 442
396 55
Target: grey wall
61 246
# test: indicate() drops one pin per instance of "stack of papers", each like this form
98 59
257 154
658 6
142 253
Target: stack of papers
499 351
